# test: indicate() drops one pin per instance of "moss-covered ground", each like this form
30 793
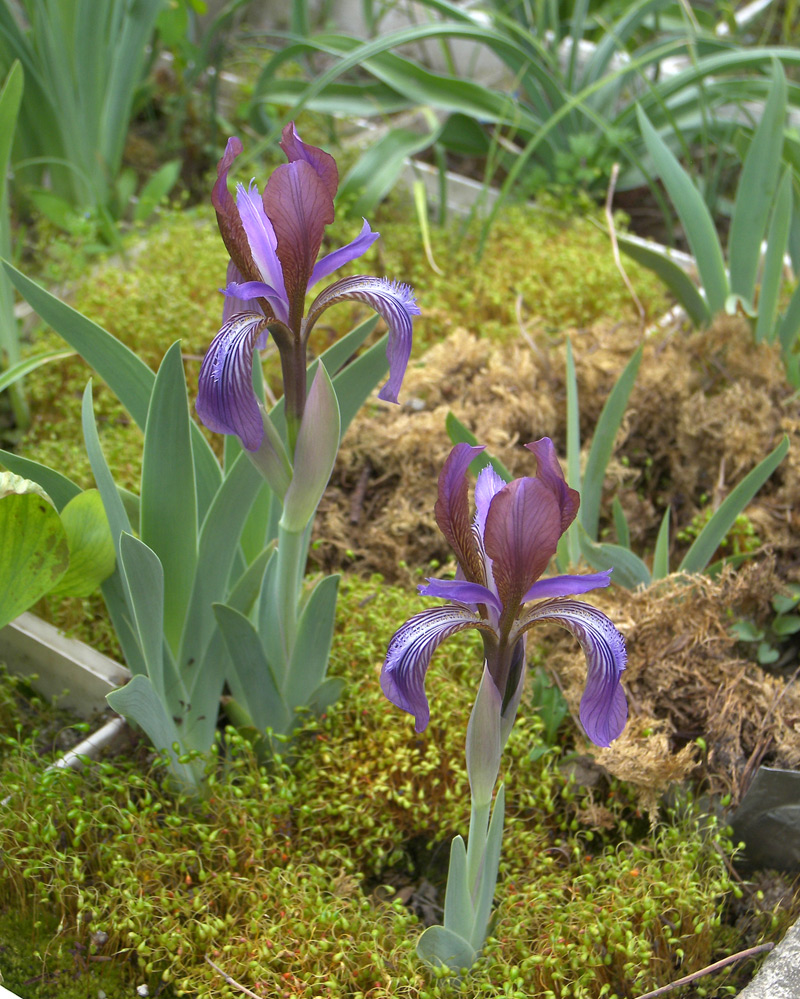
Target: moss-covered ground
293 881
280 876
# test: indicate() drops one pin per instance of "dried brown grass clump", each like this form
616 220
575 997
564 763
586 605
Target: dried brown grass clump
706 408
685 680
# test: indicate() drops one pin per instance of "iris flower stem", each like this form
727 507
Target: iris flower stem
293 372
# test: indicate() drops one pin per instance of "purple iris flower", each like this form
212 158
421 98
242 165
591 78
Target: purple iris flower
502 552
274 241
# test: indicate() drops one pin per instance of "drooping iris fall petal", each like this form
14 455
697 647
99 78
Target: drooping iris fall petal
394 303
604 709
226 402
409 655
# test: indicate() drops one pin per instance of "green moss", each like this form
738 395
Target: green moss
270 876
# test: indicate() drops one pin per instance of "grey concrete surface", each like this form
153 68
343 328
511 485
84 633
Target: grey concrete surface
779 977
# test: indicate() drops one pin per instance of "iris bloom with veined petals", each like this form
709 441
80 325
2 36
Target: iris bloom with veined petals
501 554
273 241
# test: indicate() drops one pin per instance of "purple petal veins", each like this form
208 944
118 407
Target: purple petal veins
604 709
226 402
394 303
409 655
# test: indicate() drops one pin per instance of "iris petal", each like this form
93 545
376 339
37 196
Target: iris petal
548 471
323 163
226 402
567 586
409 655
393 302
461 591
522 531
452 511
604 709
338 258
263 243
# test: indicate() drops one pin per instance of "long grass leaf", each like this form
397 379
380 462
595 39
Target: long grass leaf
605 432
756 190
661 553
772 279
694 215
709 539
460 434
22 368
673 276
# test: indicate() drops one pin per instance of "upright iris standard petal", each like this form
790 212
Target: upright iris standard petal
323 163
228 219
604 709
395 304
226 402
409 655
548 471
523 528
299 205
452 511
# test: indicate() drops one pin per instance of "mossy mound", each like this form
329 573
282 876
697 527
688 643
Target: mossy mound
275 877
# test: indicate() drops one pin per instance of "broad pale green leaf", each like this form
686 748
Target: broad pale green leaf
139 703
356 381
315 454
128 377
772 280
673 276
115 511
608 424
58 487
569 550
755 192
661 553
459 916
629 570
168 505
483 743
252 680
92 555
33 548
461 434
217 546
144 579
312 648
439 947
326 694
694 215
708 540
489 868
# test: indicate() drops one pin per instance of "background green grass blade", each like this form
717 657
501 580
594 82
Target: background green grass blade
661 553
756 190
708 540
694 215
673 276
603 444
772 279
168 506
